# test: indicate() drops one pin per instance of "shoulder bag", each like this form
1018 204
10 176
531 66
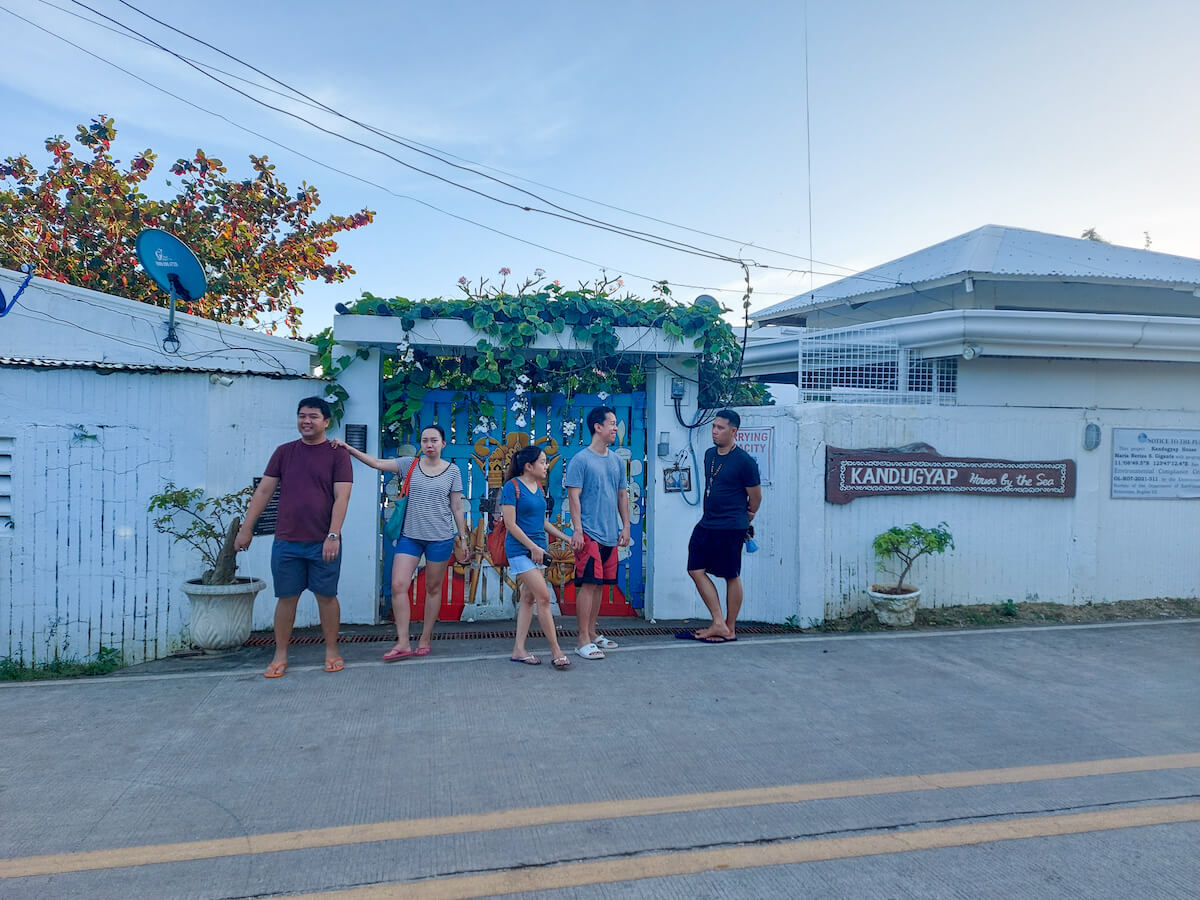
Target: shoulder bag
495 541
395 523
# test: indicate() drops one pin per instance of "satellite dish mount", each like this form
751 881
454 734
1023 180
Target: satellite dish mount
175 269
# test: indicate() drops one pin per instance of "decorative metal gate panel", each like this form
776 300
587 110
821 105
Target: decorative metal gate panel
482 448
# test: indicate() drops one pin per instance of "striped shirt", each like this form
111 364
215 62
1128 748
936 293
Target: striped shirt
428 517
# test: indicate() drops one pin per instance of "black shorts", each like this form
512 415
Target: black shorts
717 551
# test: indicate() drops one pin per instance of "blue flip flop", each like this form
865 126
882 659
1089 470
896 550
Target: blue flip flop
686 636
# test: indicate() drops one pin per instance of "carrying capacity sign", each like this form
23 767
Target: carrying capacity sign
759 443
1155 464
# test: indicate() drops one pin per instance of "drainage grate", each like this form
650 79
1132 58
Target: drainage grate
267 640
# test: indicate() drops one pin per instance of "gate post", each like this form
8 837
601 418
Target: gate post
669 516
358 589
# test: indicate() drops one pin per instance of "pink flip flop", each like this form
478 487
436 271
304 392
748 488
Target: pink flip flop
422 651
394 654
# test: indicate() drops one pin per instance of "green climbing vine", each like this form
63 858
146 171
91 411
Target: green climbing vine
513 317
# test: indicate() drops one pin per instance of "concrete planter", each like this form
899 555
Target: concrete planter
222 614
895 609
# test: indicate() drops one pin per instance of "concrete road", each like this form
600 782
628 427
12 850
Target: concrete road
1041 763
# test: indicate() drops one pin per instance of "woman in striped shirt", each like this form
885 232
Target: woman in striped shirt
434 527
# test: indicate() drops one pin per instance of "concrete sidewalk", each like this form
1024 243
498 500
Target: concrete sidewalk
414 778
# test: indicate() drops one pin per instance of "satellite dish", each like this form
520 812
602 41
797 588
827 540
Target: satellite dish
175 269
171 264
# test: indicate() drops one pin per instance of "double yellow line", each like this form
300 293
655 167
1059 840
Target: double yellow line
665 864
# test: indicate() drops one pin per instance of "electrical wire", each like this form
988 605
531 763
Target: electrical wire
659 240
564 214
446 153
567 216
646 278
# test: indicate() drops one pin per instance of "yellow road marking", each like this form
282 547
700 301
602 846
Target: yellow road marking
527 817
663 865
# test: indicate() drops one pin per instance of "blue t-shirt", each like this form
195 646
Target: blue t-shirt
531 517
600 480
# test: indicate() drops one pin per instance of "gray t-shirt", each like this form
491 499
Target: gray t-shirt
599 479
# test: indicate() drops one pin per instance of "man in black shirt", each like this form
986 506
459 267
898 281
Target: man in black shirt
732 494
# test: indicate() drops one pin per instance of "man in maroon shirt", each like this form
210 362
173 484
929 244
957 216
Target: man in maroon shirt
314 483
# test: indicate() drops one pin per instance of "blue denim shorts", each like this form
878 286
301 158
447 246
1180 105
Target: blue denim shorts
297 566
519 565
435 551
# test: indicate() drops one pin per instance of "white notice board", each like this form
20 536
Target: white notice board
1155 464
759 443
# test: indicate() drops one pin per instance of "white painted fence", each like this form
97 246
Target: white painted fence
82 567
95 417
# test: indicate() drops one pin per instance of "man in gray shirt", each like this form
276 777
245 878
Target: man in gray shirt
598 501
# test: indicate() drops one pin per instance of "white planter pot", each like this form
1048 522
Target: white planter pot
895 609
222 614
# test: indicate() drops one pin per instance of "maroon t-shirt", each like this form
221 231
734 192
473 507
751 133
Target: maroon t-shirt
307 473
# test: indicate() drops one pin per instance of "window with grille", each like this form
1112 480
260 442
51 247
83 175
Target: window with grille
869 366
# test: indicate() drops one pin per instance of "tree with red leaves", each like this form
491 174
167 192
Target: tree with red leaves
76 222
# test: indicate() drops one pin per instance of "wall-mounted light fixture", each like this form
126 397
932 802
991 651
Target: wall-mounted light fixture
1091 436
222 380
970 351
969 284
664 444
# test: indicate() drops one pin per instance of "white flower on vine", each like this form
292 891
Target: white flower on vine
522 379
568 428
518 390
520 421
603 395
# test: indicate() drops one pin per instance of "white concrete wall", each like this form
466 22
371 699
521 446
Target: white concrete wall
82 567
816 561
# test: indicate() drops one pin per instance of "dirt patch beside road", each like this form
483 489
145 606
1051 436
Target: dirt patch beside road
1009 613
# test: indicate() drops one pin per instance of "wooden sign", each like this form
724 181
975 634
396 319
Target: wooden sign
851 474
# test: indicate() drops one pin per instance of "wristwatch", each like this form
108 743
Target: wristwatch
333 536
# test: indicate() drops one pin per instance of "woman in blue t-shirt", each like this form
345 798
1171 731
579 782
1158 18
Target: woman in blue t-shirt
523 505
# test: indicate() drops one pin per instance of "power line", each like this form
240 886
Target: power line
667 243
565 214
339 171
569 216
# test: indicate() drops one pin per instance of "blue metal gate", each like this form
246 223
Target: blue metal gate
482 447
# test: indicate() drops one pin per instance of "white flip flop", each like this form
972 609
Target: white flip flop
604 643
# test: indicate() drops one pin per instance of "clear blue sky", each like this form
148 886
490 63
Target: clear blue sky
927 118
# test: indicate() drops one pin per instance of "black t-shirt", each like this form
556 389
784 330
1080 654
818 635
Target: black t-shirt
725 481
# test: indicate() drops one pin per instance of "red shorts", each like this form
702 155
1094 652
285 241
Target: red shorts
595 563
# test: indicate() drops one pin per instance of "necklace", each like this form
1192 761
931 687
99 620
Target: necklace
712 474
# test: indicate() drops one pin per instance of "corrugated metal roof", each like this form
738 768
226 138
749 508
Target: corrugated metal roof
138 368
1007 253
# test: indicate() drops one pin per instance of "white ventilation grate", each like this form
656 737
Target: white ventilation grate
6 485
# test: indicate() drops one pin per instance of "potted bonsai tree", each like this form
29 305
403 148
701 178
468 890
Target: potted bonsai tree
899 547
222 604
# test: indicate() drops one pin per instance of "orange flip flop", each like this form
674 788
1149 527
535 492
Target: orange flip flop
275 670
335 665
